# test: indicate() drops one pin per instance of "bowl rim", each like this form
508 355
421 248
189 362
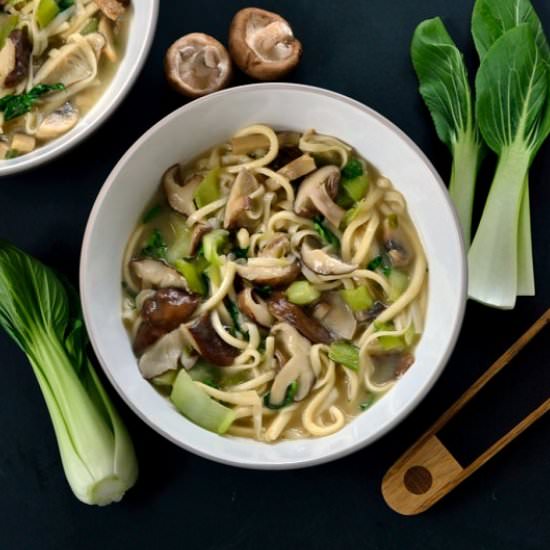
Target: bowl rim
77 135
410 406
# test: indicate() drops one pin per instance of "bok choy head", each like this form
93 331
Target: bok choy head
41 313
512 109
490 20
445 87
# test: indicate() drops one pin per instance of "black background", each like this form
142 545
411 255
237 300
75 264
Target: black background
358 48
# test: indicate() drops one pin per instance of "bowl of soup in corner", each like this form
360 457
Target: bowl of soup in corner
63 72
278 285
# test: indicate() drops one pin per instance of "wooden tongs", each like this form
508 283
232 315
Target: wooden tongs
427 471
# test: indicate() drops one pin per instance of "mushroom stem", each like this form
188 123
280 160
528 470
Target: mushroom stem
299 167
246 144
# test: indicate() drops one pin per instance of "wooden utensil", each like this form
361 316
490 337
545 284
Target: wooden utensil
427 471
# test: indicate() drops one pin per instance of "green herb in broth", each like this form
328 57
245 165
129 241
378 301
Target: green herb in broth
155 246
152 213
14 106
352 169
240 253
12 154
264 291
235 315
371 398
325 233
289 397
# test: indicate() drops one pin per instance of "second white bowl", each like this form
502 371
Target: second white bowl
140 37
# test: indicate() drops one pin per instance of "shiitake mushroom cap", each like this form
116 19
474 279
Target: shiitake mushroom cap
262 44
197 64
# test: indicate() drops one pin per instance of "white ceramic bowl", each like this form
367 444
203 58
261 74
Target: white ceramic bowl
140 37
191 130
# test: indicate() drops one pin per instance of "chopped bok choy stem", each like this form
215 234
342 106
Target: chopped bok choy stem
345 354
194 403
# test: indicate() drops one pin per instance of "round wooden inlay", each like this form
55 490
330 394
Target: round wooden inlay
418 480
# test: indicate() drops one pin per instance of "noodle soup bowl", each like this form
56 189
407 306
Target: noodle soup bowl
193 129
141 30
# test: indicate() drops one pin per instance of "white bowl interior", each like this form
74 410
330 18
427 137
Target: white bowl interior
142 28
191 130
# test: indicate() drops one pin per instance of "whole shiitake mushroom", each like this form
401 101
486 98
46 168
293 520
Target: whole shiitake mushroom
197 64
262 44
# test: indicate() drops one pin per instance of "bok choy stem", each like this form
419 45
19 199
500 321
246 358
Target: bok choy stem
493 256
526 274
466 153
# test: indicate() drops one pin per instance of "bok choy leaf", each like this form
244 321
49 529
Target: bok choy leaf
41 313
444 85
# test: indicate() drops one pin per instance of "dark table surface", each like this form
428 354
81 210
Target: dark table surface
358 48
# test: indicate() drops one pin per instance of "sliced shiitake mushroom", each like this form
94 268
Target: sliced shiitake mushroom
316 195
339 318
254 307
197 64
166 310
262 44
58 122
179 194
257 272
395 243
287 312
157 274
239 211
163 355
323 263
277 247
71 63
372 313
199 231
16 55
105 27
113 9
209 344
296 368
